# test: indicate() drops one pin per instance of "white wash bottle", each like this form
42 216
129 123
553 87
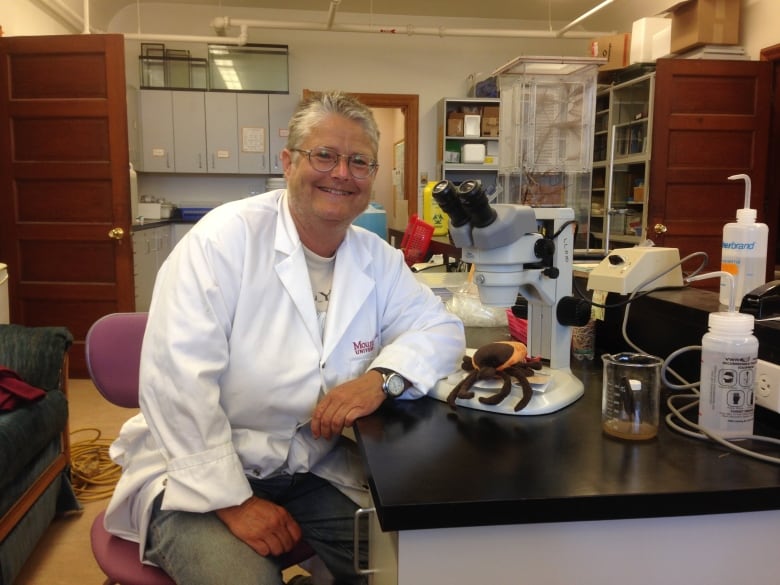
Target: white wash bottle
729 352
743 252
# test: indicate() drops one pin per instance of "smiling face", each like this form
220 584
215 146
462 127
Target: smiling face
325 203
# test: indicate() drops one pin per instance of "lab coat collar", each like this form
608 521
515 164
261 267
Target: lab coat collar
351 282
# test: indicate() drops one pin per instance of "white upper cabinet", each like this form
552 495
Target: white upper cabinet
212 132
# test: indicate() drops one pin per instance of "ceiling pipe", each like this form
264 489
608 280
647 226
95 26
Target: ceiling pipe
85 28
221 24
332 12
218 40
225 22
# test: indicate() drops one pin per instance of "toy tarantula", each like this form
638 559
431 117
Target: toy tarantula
499 360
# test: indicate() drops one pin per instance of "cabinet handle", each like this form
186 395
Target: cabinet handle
359 513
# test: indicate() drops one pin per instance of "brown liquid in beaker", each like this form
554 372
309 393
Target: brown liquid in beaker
624 429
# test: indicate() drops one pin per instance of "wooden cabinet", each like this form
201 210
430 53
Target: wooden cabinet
622 149
711 120
214 132
453 136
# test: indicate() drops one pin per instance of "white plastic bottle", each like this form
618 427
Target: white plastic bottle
743 252
728 370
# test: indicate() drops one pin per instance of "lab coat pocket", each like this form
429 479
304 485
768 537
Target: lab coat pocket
358 366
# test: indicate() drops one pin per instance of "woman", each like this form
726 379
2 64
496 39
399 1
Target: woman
274 325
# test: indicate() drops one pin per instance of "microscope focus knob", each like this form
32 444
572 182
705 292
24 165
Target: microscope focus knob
573 312
544 248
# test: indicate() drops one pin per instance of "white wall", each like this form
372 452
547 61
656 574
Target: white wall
24 17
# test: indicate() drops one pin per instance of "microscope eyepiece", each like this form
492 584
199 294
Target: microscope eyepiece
474 200
445 195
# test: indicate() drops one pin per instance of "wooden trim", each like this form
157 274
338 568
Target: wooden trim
409 104
772 200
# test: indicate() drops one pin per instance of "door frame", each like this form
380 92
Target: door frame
772 199
409 104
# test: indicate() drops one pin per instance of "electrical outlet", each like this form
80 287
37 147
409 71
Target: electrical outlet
768 385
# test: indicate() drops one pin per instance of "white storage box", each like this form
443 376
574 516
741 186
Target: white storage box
150 210
472 154
642 38
471 125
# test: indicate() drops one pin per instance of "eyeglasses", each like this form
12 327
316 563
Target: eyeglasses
324 159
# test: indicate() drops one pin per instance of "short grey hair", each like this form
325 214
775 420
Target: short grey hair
313 109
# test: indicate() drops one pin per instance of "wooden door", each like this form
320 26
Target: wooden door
711 120
64 182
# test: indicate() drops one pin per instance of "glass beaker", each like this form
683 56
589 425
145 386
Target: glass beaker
631 394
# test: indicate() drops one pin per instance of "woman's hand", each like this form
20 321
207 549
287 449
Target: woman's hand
267 528
346 403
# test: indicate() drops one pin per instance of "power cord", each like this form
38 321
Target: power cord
694 430
93 473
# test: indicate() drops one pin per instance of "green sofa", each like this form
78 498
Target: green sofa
34 443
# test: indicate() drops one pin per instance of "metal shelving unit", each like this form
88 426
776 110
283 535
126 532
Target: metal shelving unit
622 149
449 165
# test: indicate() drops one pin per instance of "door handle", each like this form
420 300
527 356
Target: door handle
116 233
659 228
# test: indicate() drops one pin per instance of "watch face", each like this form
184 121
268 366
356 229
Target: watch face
395 384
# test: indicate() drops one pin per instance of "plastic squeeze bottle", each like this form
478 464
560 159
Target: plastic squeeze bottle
729 352
743 252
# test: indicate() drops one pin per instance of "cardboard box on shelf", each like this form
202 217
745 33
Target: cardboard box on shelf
616 49
455 123
490 121
705 22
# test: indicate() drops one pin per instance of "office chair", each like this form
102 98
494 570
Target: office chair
113 352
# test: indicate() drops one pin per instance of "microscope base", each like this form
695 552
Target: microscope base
559 389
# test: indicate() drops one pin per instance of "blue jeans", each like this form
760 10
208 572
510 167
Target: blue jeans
198 549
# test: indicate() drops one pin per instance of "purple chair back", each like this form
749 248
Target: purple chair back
113 352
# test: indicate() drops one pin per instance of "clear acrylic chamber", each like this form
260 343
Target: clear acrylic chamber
546 134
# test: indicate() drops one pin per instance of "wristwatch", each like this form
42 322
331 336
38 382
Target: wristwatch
393 383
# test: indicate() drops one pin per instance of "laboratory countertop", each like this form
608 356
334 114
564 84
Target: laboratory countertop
153 223
432 467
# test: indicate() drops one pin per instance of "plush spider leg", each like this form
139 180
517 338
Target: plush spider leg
502 393
461 389
528 393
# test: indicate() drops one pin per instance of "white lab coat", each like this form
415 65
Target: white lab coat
233 361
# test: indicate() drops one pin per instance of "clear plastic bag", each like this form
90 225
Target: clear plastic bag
465 304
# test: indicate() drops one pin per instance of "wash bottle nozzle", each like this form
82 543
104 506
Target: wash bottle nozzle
745 215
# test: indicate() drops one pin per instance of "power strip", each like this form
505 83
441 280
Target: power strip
768 385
